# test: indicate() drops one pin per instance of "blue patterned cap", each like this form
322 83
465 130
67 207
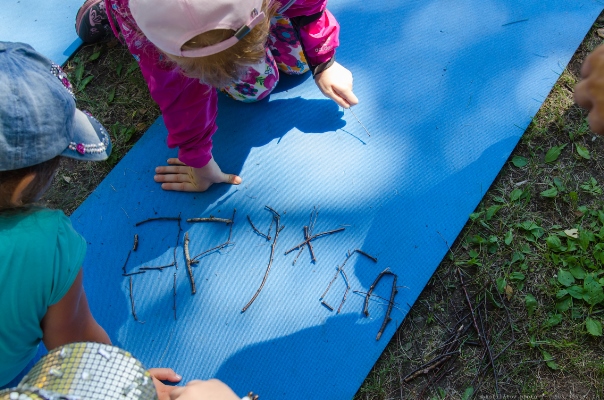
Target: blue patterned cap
38 116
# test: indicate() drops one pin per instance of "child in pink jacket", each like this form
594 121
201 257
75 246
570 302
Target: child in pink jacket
186 48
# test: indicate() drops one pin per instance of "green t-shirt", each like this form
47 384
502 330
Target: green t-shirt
40 257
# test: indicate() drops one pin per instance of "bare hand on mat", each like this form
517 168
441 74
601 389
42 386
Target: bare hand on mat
589 93
207 390
180 177
164 374
336 83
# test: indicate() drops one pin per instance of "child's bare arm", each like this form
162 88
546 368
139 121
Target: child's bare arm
70 320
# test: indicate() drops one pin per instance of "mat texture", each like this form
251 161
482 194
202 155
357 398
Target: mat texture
48 26
446 89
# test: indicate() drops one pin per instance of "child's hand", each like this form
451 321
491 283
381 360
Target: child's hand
180 177
336 83
207 390
589 93
164 374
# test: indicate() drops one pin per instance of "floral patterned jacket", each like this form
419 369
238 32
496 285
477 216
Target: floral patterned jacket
190 108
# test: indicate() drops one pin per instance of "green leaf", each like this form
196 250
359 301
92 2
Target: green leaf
508 237
531 304
564 304
515 195
94 56
501 284
491 211
119 68
553 153
585 237
492 299
85 82
111 95
133 65
553 320
475 215
593 293
549 360
551 192
79 72
594 327
467 394
565 278
561 293
517 276
559 184
577 271
576 291
554 243
582 151
519 161
517 256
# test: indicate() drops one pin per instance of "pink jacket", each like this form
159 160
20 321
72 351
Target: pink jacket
190 108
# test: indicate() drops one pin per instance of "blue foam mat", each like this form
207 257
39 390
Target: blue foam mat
48 26
447 89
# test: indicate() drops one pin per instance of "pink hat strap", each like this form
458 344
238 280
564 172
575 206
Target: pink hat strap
225 44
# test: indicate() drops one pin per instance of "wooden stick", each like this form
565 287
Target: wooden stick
177 241
267 237
134 273
132 304
135 245
126 262
366 307
313 237
278 229
195 260
210 219
158 219
188 261
387 318
430 365
478 331
345 292
174 296
312 252
157 268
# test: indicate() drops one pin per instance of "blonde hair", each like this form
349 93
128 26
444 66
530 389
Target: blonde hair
221 69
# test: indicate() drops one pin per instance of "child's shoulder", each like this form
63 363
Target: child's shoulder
39 218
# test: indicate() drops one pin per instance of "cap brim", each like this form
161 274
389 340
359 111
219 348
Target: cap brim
91 141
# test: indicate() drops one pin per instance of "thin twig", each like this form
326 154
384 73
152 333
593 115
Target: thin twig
430 365
134 273
312 252
327 305
157 268
158 219
298 255
375 282
278 229
126 262
188 261
210 219
177 241
132 304
387 318
267 237
313 237
174 296
135 245
350 109
478 331
345 292
195 260
341 267
515 22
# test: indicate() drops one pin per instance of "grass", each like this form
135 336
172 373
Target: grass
531 255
